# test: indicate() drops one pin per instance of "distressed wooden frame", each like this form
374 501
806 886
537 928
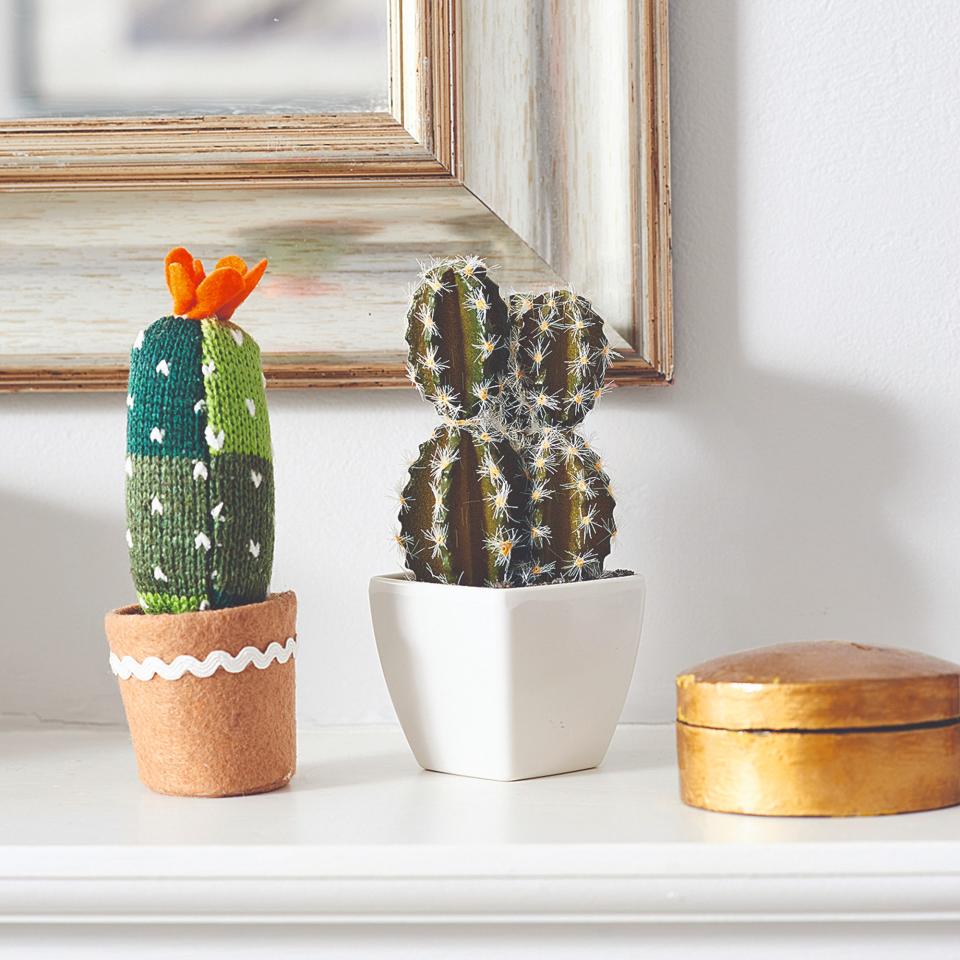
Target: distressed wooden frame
420 142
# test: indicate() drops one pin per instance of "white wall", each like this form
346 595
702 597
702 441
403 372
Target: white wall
798 481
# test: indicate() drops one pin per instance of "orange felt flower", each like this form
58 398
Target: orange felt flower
198 296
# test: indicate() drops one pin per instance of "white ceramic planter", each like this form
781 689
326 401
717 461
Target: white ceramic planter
508 684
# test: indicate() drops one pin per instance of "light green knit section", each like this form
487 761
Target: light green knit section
165 603
236 400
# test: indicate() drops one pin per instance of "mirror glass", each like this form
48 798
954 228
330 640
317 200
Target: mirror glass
183 58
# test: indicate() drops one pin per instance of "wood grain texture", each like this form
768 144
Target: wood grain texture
817 686
341 264
819 774
411 144
565 112
595 211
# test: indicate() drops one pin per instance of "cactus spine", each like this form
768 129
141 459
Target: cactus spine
571 508
462 508
457 329
562 357
506 492
199 488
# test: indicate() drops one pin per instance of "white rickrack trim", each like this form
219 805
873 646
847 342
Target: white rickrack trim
128 667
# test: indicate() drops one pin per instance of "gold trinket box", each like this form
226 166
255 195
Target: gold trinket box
825 729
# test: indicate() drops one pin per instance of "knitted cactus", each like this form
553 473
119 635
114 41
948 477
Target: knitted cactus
199 468
506 492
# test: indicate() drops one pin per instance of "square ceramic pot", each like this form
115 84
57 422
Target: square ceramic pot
508 684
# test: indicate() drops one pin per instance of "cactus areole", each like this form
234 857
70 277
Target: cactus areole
199 468
505 492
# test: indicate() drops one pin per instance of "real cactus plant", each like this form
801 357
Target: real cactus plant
199 488
506 492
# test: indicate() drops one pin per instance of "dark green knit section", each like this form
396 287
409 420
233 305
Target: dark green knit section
200 490
167 511
165 386
242 555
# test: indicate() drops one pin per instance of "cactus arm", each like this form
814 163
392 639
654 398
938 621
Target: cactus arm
562 357
468 489
457 333
572 502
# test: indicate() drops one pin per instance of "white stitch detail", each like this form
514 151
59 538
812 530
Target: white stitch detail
214 440
151 667
237 336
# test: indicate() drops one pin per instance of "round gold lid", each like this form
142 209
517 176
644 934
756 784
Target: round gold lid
819 685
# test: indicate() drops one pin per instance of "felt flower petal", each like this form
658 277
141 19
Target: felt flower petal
221 287
250 279
198 296
183 256
181 287
238 264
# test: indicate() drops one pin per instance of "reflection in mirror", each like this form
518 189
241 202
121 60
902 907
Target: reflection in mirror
103 58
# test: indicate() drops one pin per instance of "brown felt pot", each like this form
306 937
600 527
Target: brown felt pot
221 735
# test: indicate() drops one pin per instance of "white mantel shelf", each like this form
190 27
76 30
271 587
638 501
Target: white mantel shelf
363 836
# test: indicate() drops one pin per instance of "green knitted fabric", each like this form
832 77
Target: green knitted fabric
200 492
236 400
167 403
